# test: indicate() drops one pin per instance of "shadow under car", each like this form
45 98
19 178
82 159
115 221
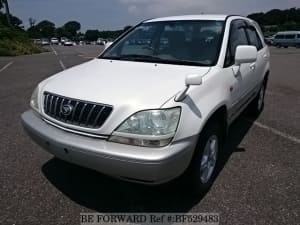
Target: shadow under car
104 194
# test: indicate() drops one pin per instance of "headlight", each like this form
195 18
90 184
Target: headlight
34 100
152 128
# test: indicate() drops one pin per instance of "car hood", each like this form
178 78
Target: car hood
144 85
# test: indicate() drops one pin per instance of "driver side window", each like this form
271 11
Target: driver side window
237 37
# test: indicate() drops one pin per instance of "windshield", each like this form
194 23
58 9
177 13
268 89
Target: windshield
173 42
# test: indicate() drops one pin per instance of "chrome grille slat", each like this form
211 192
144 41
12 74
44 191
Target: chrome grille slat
51 101
74 110
98 116
83 113
89 115
61 104
55 107
46 103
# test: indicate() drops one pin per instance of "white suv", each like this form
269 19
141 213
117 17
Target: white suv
157 102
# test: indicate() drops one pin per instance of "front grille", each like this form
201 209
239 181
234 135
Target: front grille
78 112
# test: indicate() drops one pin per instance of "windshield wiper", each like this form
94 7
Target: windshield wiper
151 58
138 57
186 62
134 57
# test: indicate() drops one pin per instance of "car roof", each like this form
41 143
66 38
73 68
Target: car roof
288 32
190 17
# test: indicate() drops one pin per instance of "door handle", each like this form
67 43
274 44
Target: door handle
253 66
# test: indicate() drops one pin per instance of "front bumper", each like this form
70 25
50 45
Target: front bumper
137 164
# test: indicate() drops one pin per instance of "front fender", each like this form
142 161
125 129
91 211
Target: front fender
200 104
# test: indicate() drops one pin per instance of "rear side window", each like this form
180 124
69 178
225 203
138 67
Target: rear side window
237 37
279 36
254 39
298 36
290 36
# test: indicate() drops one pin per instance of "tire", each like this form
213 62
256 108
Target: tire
207 152
257 105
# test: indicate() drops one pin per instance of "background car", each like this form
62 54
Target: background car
287 39
270 40
62 40
54 41
68 42
101 41
45 41
37 41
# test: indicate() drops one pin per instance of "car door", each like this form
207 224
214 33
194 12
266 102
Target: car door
262 56
243 79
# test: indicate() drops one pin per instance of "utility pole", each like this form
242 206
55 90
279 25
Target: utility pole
7 11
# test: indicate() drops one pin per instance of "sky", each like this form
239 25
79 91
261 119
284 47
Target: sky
116 14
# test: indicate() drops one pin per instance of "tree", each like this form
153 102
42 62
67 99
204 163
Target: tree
276 19
33 32
46 28
277 16
5 4
60 32
16 22
80 36
91 35
127 28
9 19
72 27
110 34
31 22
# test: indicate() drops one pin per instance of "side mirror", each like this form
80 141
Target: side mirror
107 45
245 54
193 79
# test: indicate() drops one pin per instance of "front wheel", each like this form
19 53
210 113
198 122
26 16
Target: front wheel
202 170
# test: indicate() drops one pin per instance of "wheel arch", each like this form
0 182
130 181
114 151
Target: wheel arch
220 114
266 77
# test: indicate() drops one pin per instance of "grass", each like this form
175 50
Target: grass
15 42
